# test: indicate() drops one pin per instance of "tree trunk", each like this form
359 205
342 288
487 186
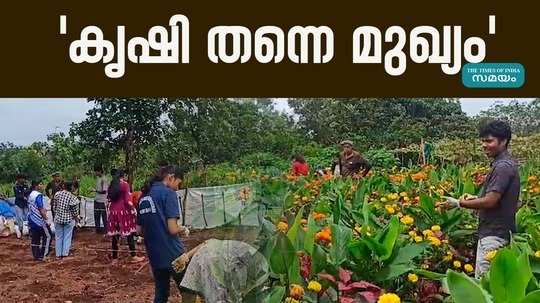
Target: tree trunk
130 155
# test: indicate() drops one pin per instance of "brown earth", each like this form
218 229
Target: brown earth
86 277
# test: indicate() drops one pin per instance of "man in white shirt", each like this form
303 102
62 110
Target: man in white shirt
100 201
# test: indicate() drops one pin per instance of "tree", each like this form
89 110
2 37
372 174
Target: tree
389 122
219 130
125 125
524 117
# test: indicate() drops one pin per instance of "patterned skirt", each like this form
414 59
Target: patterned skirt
121 223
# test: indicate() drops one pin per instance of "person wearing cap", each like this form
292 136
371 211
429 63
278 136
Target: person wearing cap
350 162
53 187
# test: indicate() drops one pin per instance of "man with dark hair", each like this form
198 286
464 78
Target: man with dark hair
53 187
21 191
100 201
37 221
498 201
350 162
157 221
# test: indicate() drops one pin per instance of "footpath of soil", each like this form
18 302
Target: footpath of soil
86 277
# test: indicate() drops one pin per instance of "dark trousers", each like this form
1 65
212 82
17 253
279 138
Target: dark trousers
100 216
162 278
41 241
131 244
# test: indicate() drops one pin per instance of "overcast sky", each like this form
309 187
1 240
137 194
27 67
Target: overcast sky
23 121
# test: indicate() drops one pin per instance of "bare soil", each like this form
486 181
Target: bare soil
88 275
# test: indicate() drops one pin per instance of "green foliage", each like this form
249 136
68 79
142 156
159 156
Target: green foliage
381 158
328 121
121 125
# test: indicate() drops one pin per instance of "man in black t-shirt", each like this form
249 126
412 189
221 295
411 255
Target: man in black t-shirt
498 201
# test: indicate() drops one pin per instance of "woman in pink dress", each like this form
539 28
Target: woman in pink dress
122 216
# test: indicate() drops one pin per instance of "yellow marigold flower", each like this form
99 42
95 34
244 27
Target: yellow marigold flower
296 291
468 268
434 241
418 239
390 209
427 233
407 220
383 200
412 278
314 286
537 254
436 228
490 255
389 298
291 300
457 264
406 199
412 234
403 194
283 227
447 258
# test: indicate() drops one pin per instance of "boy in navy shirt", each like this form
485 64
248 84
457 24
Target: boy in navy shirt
157 221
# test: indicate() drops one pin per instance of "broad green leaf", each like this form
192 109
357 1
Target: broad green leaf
359 195
359 250
426 204
282 255
318 260
406 254
338 205
393 271
533 297
340 238
293 230
464 289
429 274
389 238
468 187
309 239
276 295
366 212
506 284
454 218
294 272
524 268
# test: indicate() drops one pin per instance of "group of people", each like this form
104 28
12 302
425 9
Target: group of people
496 205
154 212
56 215
349 163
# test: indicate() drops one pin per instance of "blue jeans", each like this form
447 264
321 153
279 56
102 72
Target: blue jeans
63 234
21 216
